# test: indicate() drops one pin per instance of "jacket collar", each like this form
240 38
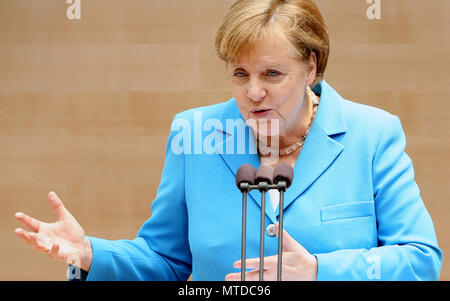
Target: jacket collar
330 116
318 153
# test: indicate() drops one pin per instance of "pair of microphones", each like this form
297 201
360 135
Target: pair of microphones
263 179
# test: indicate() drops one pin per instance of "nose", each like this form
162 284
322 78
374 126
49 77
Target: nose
256 91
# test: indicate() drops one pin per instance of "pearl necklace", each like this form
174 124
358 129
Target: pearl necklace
299 143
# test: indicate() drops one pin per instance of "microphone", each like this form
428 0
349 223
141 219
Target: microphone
283 175
263 179
283 172
245 176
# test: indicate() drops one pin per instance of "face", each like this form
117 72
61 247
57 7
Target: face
268 82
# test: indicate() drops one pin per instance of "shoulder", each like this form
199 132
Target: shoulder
364 126
370 123
372 128
338 115
366 117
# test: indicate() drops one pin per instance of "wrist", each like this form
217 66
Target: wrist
86 259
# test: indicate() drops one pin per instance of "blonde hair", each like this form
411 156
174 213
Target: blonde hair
299 21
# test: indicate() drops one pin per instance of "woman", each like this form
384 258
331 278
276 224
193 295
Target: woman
353 211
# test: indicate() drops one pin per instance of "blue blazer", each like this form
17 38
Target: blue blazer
353 203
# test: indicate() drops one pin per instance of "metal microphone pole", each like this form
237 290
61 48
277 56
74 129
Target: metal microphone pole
280 230
245 177
262 232
283 176
244 231
263 179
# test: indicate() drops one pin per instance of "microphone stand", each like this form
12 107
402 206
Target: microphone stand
244 189
281 186
263 187
245 181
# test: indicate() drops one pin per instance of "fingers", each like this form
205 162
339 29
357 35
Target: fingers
269 275
289 244
57 205
23 234
31 239
37 243
249 276
28 221
253 263
54 251
270 265
34 224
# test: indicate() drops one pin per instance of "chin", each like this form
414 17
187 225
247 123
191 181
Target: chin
268 133
265 127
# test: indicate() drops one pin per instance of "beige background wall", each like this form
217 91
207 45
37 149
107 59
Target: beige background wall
86 105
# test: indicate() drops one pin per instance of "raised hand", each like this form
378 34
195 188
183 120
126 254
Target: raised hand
63 240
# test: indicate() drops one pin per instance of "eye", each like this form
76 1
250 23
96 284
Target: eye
239 74
272 73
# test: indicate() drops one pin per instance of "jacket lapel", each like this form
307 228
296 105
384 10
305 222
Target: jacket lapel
318 153
320 149
234 159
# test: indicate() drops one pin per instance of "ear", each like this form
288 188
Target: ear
311 68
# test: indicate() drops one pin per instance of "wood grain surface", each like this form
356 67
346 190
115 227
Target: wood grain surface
86 105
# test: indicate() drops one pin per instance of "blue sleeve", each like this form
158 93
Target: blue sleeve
407 245
161 250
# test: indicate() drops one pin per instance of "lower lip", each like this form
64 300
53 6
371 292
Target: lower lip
262 114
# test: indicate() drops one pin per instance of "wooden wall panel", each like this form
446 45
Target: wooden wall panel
86 105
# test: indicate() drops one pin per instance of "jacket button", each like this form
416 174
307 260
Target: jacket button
270 230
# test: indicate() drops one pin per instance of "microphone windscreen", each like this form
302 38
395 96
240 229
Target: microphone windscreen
245 173
264 174
283 171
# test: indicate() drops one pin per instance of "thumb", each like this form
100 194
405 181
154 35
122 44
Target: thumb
289 244
57 206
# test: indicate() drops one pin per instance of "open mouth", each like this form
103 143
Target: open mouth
260 113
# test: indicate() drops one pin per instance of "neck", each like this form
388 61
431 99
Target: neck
299 127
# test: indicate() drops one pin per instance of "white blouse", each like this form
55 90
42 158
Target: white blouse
274 195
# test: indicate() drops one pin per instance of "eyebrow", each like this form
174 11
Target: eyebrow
270 66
